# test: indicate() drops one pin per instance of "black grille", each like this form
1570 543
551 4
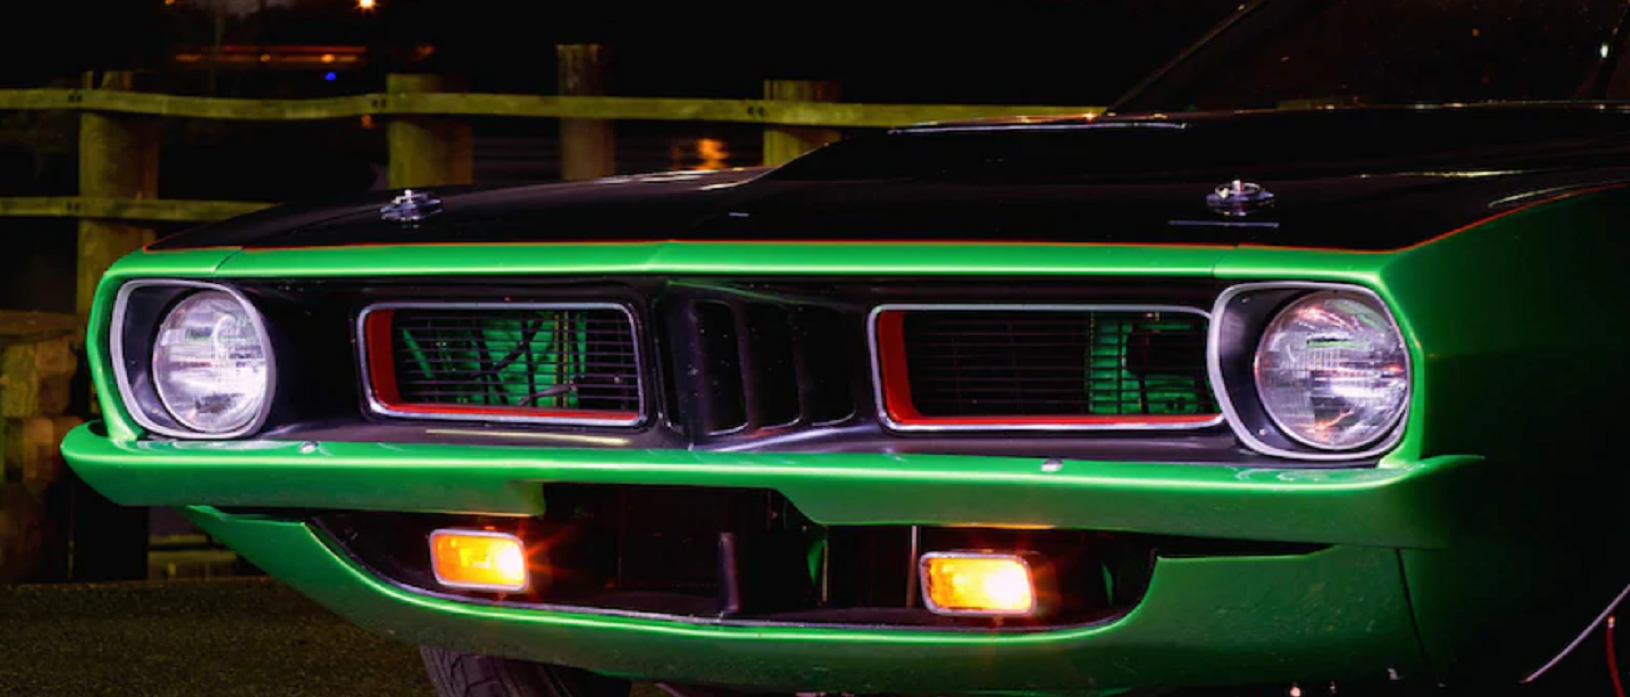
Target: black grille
545 361
1054 363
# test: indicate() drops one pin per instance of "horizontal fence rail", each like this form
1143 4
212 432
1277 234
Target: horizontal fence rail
762 111
165 210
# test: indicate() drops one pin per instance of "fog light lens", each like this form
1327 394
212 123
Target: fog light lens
978 583
479 560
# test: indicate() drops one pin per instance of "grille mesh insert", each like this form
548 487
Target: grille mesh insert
1069 364
566 362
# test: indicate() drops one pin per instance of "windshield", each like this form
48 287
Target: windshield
1300 53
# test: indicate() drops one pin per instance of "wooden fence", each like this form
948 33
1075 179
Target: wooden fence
429 144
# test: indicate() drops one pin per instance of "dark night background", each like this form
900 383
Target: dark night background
1019 52
1022 52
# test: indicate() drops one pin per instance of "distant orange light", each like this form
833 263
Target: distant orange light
713 153
328 58
367 5
479 559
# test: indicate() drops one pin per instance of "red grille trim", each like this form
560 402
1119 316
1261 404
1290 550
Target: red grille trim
380 367
379 375
898 410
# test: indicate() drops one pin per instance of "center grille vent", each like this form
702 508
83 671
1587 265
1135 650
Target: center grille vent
752 366
1042 367
568 364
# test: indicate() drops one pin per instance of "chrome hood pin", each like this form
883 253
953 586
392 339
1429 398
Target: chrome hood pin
410 207
1238 199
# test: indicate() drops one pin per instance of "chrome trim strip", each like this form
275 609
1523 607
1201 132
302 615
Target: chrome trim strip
1554 193
375 406
913 586
1214 369
116 331
1607 612
546 436
928 598
891 424
1043 126
435 569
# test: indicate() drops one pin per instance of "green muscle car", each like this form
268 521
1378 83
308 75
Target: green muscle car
1170 397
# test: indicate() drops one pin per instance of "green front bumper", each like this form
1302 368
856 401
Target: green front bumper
1340 612
1393 506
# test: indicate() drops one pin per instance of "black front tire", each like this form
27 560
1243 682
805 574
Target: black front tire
458 674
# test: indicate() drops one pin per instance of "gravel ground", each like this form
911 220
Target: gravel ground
216 638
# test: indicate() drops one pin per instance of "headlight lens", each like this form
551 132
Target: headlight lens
1332 371
211 364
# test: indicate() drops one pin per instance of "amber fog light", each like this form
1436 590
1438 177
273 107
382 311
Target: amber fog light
984 583
478 560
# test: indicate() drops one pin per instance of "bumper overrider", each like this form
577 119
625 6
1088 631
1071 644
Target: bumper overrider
1335 568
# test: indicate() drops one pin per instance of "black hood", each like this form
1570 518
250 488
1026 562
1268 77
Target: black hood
1367 179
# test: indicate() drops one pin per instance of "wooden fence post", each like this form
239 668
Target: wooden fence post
118 158
588 147
426 150
37 365
783 143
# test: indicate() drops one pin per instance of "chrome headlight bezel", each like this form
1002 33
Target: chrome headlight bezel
1239 318
139 309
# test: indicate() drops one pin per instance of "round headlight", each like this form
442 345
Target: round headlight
211 363
1332 371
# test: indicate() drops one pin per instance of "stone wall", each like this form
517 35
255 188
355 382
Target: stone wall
37 366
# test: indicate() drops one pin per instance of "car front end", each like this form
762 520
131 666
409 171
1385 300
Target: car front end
1196 450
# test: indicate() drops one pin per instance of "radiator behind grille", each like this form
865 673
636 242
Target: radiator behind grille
558 363
1052 366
